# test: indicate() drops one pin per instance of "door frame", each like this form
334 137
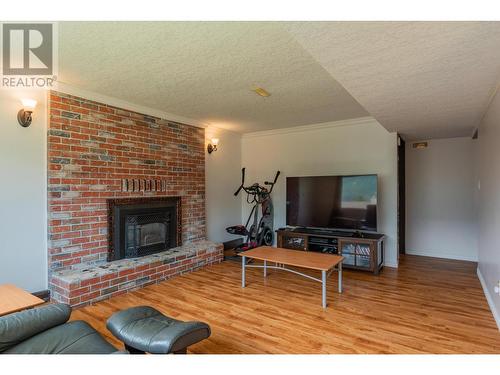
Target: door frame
401 196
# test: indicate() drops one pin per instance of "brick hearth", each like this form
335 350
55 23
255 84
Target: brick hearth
80 287
98 152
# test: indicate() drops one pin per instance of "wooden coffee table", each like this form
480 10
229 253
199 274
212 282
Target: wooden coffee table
13 299
326 263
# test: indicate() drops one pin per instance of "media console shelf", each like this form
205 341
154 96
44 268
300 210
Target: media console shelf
361 253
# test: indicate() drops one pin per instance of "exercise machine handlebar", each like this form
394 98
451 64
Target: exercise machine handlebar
255 188
272 183
242 182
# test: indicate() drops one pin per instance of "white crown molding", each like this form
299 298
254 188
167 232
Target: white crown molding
312 127
115 102
488 105
489 298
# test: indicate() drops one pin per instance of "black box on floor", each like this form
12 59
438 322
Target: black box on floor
229 247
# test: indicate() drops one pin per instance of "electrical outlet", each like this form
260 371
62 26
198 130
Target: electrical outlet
497 288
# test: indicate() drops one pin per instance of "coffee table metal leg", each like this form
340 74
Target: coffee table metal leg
265 268
340 277
323 288
243 264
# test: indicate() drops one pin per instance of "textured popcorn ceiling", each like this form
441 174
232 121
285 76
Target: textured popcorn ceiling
422 79
205 71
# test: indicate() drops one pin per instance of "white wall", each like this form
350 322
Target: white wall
440 219
23 193
346 147
222 174
489 204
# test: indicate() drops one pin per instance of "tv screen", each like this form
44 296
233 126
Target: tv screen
337 202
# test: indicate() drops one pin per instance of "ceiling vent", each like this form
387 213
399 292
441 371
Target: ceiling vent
261 92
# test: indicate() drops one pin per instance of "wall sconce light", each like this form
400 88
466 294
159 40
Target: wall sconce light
24 115
213 146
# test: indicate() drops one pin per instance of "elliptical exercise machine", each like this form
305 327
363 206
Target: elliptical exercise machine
261 231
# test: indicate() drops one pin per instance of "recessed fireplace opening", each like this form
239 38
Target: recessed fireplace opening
143 226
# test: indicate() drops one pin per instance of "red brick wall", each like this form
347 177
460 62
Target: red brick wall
91 148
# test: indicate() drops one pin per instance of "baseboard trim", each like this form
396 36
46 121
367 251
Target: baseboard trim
489 298
441 255
391 265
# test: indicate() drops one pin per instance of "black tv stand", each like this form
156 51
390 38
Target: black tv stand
335 232
361 250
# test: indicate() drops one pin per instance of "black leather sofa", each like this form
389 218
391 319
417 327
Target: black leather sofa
143 329
46 330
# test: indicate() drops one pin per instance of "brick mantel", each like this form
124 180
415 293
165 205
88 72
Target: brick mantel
92 149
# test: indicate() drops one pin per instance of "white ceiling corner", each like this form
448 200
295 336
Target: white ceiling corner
421 79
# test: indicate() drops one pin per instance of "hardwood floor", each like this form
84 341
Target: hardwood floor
428 305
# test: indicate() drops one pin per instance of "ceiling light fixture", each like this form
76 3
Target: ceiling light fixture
261 92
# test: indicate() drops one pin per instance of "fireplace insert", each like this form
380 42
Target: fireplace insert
142 226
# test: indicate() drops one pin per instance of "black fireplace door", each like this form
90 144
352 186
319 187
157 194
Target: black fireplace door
141 230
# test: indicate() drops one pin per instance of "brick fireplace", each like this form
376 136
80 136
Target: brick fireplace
99 155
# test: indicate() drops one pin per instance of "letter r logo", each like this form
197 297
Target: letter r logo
27 49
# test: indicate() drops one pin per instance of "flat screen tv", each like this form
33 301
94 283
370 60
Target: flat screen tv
333 202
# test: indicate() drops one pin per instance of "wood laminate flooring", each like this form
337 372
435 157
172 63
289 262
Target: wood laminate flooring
427 305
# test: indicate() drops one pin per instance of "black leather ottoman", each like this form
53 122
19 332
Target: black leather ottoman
144 329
